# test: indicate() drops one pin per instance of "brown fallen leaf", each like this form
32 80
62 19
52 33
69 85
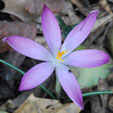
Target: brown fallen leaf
70 11
102 21
104 4
41 105
95 105
16 28
41 40
110 104
109 40
35 6
77 3
110 1
102 86
16 102
68 108
30 10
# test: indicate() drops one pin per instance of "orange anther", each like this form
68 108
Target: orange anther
60 54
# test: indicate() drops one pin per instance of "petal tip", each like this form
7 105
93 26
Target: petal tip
80 104
4 39
21 88
45 8
107 58
94 11
24 88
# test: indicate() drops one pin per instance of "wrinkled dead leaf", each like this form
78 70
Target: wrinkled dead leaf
35 6
41 40
77 3
16 28
110 1
96 106
41 105
102 86
104 4
109 39
70 11
16 102
30 10
110 104
101 22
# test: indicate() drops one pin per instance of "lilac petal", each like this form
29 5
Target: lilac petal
28 47
79 33
87 58
70 85
51 30
36 75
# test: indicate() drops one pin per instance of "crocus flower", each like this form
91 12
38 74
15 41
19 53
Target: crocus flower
58 57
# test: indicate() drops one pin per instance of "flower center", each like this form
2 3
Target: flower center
59 55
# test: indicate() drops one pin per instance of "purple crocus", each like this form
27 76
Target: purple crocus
58 57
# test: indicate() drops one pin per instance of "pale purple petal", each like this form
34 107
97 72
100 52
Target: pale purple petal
79 33
51 30
36 75
87 58
70 85
28 47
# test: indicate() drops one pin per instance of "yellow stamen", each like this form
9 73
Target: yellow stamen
59 55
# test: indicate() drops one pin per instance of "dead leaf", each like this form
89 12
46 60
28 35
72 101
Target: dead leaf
68 108
104 4
96 106
16 7
110 1
109 39
41 40
16 102
30 10
110 104
41 105
80 6
101 22
35 6
102 86
77 3
16 28
70 11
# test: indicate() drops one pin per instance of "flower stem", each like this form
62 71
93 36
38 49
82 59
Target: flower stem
22 72
11 66
96 93
58 88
